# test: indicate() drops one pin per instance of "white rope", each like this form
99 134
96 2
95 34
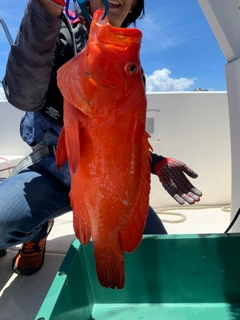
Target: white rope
165 211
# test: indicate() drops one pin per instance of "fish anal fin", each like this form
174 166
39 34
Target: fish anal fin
61 153
110 264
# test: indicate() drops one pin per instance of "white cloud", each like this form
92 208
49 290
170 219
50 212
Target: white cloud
2 95
160 80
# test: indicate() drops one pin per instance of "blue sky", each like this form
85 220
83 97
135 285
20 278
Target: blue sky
179 51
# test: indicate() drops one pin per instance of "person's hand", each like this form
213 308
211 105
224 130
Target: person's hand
171 174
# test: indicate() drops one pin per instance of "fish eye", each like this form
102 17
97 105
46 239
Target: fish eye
131 68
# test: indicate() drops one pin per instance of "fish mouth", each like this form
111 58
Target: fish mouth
111 35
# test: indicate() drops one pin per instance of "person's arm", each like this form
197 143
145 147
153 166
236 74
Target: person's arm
171 174
52 8
30 59
155 159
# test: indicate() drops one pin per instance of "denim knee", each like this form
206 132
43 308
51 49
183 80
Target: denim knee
153 224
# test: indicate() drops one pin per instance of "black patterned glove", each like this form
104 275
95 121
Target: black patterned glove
171 174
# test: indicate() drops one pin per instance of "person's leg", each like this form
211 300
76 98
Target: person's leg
153 224
28 200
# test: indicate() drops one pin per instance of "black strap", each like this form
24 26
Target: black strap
52 150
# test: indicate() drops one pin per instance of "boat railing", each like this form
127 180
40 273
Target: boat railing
6 31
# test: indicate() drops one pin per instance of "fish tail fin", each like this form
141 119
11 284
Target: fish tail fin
110 264
61 153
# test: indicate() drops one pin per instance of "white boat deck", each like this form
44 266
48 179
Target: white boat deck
22 296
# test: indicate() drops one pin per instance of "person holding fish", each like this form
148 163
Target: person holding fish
38 190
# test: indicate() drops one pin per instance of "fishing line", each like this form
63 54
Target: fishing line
63 221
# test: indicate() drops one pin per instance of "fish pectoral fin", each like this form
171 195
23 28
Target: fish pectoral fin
73 138
109 258
61 153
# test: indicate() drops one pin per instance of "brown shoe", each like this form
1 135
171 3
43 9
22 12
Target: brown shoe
30 257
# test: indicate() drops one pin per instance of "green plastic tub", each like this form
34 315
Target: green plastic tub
172 277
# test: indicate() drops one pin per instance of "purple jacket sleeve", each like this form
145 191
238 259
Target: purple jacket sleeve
155 159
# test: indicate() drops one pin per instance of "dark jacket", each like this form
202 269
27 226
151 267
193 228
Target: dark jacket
43 44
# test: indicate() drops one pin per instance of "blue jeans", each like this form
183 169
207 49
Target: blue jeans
34 196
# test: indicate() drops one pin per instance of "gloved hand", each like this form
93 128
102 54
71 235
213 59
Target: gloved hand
171 174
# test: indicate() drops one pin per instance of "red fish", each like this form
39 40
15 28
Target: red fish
105 143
